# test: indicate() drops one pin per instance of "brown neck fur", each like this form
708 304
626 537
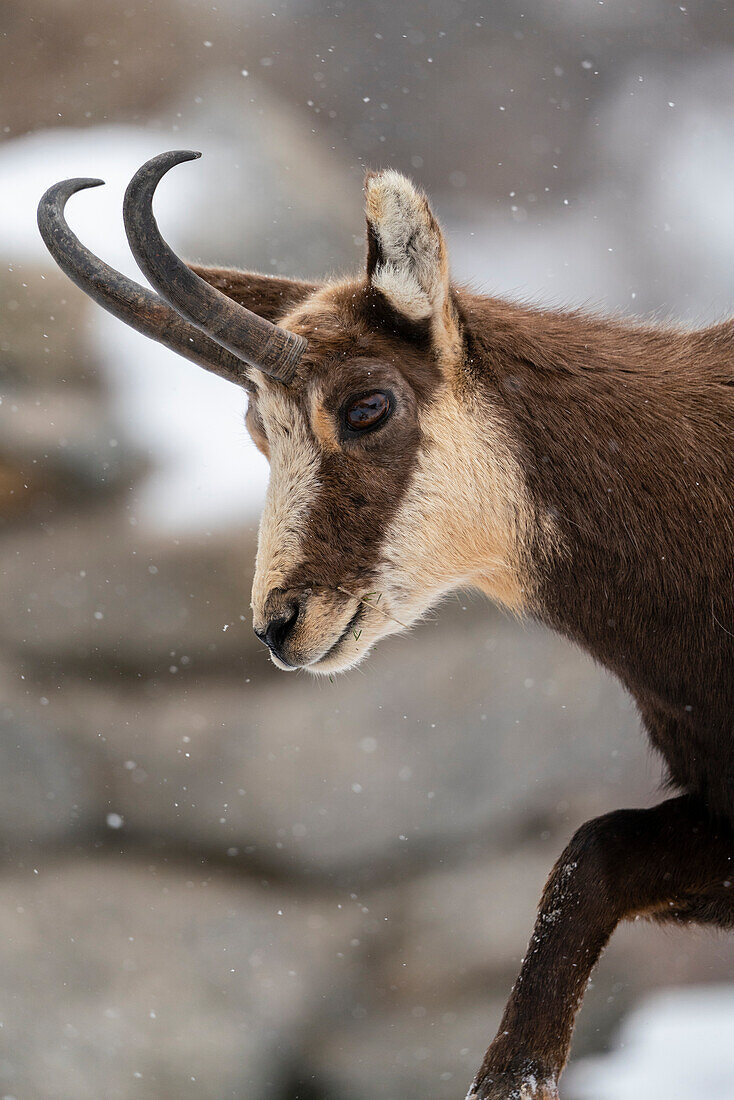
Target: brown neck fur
626 437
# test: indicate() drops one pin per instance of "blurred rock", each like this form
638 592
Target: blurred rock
415 1052
94 593
45 335
58 441
493 899
122 981
75 62
49 785
286 201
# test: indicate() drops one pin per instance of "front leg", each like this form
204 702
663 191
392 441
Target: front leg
666 862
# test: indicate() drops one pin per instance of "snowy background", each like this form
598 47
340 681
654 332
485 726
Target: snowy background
215 880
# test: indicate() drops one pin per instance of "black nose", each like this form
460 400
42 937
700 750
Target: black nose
277 630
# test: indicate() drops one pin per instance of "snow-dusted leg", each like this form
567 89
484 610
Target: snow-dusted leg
669 863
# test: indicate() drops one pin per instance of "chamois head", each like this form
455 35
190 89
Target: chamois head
383 494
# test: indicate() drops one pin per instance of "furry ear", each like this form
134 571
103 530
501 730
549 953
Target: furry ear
270 296
406 254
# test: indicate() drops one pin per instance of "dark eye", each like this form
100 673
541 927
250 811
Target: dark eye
367 412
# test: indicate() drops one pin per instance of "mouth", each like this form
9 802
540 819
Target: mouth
352 627
320 644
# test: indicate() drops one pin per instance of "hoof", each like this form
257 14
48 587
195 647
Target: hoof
502 1087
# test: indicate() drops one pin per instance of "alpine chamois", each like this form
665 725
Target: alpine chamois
576 469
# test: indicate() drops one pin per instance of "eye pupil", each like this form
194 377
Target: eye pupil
367 411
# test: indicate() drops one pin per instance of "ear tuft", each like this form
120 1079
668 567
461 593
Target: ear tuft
406 257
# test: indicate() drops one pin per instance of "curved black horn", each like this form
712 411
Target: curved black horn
126 299
271 349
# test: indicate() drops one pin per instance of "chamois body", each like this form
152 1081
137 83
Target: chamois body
577 469
626 439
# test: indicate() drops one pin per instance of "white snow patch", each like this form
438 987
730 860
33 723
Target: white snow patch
679 1043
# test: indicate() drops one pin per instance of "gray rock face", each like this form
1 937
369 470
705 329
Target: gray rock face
48 784
94 594
57 435
132 980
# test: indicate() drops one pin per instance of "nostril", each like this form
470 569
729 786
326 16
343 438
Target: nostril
277 630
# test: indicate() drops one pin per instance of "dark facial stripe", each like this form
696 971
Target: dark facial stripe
362 486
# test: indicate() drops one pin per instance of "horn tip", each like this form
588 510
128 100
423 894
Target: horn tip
58 193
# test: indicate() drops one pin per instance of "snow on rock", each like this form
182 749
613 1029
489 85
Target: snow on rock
678 1043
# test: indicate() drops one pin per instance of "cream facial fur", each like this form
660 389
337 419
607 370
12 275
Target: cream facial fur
294 467
462 523
465 516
